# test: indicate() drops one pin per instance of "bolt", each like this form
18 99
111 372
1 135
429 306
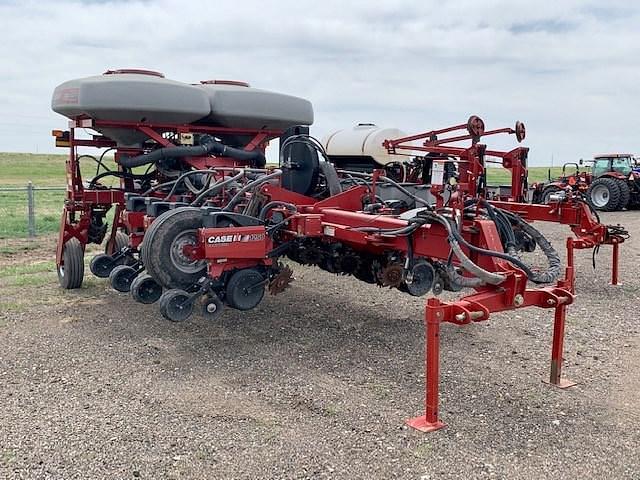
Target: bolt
518 300
551 302
211 307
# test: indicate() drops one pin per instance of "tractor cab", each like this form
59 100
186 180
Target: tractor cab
620 164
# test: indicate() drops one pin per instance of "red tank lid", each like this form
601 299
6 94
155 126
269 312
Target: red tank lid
135 71
237 83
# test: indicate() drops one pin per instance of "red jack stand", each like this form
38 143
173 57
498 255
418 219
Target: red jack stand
614 264
429 422
557 348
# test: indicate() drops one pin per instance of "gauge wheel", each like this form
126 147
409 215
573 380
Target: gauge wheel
175 305
144 289
101 265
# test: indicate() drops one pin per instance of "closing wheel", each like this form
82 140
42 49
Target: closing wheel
422 278
101 265
438 284
145 289
212 306
163 249
122 277
71 271
175 305
245 289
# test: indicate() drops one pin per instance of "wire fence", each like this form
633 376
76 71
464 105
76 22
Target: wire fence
30 210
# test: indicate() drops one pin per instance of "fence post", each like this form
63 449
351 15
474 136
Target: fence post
31 215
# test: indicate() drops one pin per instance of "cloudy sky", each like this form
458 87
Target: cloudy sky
569 69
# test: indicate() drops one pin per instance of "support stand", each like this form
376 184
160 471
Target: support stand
557 348
615 263
429 422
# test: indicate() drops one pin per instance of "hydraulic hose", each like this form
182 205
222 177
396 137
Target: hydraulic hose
481 275
249 186
555 264
289 206
392 182
112 173
174 182
553 259
217 186
210 146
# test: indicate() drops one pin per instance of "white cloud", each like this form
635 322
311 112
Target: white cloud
568 69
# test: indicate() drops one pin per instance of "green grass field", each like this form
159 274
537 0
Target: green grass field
46 170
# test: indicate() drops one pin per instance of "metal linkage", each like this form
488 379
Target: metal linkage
477 308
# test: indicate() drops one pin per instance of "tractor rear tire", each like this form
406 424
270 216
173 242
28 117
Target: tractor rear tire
162 248
604 194
625 194
71 272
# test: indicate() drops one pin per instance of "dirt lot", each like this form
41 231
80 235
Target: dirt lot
315 383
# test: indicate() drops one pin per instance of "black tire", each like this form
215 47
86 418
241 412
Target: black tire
604 194
423 277
165 235
547 192
145 289
212 307
71 272
102 265
121 240
238 294
625 194
174 305
122 277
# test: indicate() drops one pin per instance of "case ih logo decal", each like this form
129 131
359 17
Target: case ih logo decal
235 238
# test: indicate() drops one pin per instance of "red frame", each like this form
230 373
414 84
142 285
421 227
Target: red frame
80 201
335 218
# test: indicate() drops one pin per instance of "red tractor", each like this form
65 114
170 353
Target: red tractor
616 184
577 180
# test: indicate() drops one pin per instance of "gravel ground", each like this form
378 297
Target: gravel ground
315 383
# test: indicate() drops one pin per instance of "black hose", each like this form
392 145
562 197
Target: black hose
98 161
174 182
289 206
249 186
111 173
184 177
555 264
210 146
216 186
392 182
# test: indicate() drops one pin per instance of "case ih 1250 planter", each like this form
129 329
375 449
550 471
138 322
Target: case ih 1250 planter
208 225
